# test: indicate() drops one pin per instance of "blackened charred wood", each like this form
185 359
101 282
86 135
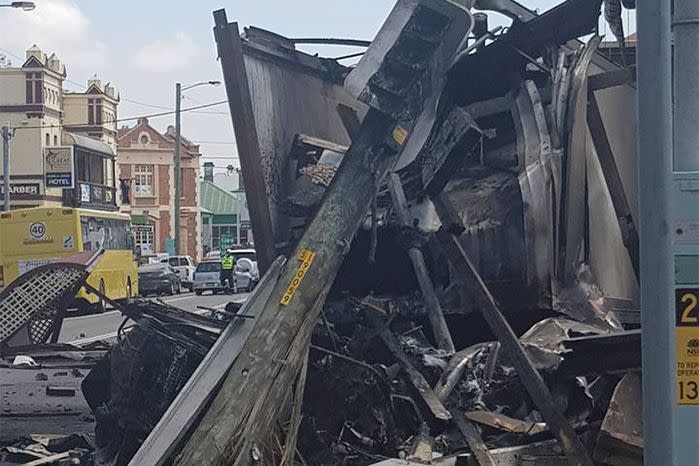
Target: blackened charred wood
473 438
349 119
530 377
612 78
447 152
230 51
447 215
435 405
440 331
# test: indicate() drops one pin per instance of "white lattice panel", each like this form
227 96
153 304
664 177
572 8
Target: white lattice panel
32 296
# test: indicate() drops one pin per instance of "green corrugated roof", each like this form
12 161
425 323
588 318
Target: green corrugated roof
221 202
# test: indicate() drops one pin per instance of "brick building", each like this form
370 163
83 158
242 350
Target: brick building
146 174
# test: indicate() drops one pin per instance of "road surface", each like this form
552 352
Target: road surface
85 329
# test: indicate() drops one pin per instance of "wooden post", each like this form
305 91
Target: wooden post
230 51
295 302
530 377
440 331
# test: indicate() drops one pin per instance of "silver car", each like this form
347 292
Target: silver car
207 277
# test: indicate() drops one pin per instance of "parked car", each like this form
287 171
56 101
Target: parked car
185 267
158 279
207 277
246 274
213 256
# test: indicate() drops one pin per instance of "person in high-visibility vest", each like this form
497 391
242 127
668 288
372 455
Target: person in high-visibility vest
227 264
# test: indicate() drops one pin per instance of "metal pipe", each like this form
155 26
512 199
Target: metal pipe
6 166
654 110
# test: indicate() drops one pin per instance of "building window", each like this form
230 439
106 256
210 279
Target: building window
143 180
144 139
48 139
94 111
55 140
223 230
144 238
35 88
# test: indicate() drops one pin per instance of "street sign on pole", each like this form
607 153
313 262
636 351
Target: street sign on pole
227 242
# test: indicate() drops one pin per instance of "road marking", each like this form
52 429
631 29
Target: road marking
92 316
179 299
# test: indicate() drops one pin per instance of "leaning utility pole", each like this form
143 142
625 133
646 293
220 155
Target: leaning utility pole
177 174
6 165
245 410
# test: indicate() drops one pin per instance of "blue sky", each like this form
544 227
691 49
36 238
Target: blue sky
144 47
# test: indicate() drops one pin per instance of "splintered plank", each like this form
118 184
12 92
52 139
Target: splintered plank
416 379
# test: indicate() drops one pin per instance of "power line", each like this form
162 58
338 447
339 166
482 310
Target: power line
118 120
232 143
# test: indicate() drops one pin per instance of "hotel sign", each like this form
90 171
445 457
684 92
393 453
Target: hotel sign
59 167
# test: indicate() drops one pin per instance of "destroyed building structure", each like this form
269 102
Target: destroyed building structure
481 303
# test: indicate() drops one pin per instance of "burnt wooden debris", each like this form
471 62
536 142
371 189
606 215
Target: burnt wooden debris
441 285
230 53
434 309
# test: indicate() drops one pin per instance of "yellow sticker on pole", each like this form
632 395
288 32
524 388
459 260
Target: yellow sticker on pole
400 134
306 258
687 345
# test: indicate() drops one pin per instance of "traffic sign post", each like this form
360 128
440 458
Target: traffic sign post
226 242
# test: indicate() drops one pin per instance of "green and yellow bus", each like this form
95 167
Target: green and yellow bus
33 237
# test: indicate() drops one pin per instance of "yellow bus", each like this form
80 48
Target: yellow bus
33 237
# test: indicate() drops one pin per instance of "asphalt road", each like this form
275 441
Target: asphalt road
85 329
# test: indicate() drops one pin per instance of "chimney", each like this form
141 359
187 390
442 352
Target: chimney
209 171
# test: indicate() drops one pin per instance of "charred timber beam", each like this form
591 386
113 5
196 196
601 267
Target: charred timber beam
620 202
601 354
458 135
350 120
490 73
435 405
613 78
530 377
440 331
230 51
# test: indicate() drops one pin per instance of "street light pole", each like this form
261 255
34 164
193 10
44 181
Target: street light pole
178 155
26 6
6 165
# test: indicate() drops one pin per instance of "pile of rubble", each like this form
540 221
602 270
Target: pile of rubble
439 297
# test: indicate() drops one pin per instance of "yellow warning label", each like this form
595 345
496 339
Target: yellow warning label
400 134
687 345
306 258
